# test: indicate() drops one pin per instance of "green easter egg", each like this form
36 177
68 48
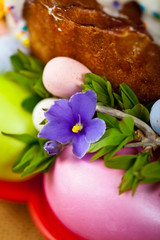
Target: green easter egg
13 119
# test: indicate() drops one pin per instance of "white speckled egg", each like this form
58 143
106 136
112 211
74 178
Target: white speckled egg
38 112
63 76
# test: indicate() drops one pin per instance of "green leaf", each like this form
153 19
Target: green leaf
47 165
29 74
135 185
30 63
117 148
42 167
101 153
98 145
151 170
110 94
133 177
133 164
97 87
38 159
101 87
89 77
29 103
17 161
86 88
149 180
16 62
35 64
126 125
142 159
18 78
119 100
121 162
140 112
127 181
128 96
112 137
24 59
103 98
126 102
25 138
111 122
40 89
26 159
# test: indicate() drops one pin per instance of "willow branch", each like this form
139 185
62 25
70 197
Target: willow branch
145 128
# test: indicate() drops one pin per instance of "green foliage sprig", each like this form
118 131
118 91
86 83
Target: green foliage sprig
102 88
28 73
122 132
33 159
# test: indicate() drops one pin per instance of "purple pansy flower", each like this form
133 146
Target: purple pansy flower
71 121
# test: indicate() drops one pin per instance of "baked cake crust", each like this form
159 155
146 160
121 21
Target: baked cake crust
118 48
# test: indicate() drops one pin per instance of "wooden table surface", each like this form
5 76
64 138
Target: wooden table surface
16 223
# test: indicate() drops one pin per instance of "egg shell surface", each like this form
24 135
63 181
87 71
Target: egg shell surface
155 117
85 198
63 76
38 112
15 120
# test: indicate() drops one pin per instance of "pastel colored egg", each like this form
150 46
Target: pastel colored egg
84 196
13 119
155 117
39 110
63 76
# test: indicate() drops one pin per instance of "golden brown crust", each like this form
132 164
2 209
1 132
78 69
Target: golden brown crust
117 48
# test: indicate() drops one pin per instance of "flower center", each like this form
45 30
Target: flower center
78 127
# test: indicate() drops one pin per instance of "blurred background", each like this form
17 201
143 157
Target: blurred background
16 223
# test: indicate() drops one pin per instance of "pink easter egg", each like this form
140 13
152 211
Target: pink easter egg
85 198
63 76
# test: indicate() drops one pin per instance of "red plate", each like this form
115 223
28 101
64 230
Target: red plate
31 191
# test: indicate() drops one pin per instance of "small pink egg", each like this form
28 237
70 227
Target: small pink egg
85 198
63 76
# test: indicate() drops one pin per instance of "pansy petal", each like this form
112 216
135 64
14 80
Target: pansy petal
60 110
80 146
94 130
58 131
83 105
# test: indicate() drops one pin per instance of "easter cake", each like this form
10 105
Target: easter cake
96 142
83 31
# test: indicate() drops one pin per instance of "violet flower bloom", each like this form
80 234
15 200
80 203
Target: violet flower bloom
71 121
52 147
